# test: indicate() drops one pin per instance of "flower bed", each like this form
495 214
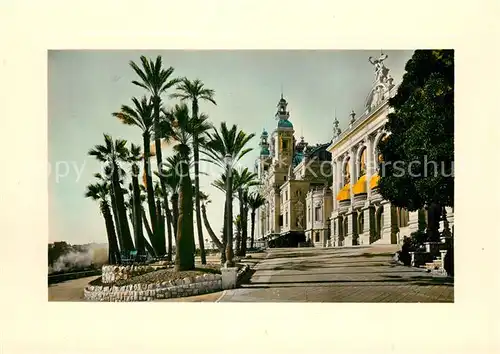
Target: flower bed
156 284
112 274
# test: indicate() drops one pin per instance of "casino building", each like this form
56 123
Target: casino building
328 193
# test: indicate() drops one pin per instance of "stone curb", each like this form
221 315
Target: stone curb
201 284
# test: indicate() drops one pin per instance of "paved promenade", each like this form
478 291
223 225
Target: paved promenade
360 274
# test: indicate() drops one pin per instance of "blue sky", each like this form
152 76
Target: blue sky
85 87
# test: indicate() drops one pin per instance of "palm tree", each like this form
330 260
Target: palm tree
224 148
255 201
243 180
108 172
204 199
171 179
136 207
156 80
142 116
112 153
178 125
195 91
100 192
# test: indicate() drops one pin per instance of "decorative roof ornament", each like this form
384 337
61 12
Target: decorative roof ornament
353 119
336 129
382 85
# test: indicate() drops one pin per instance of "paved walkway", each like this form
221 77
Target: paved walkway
70 290
359 274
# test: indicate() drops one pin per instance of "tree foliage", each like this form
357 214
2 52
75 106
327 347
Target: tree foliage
419 152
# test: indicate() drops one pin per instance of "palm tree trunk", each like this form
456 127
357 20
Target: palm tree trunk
148 247
224 237
199 227
148 230
238 240
149 188
138 234
161 227
122 213
113 252
211 232
159 162
115 217
184 259
168 214
244 232
241 205
175 214
252 230
229 219
196 156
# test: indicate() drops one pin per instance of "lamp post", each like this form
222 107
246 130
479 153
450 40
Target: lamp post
229 209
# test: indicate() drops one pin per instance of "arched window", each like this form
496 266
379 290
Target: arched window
361 222
346 174
362 163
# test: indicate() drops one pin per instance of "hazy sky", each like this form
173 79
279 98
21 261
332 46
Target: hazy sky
85 87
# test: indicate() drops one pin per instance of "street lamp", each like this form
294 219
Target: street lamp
229 206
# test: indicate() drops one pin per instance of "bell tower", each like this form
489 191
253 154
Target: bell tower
284 135
264 157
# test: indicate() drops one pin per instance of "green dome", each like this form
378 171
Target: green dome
264 151
283 123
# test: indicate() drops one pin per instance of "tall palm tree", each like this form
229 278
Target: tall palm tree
141 115
171 178
195 91
204 199
113 153
243 180
107 179
255 201
225 147
156 80
136 207
178 125
100 192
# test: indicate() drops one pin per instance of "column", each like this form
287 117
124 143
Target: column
364 236
386 225
277 207
413 221
335 189
351 228
369 165
352 162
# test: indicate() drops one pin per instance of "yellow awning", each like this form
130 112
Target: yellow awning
344 193
374 181
360 186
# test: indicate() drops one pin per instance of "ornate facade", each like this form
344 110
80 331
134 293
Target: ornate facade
291 181
360 215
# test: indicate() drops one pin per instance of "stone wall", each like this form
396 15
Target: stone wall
147 292
111 274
